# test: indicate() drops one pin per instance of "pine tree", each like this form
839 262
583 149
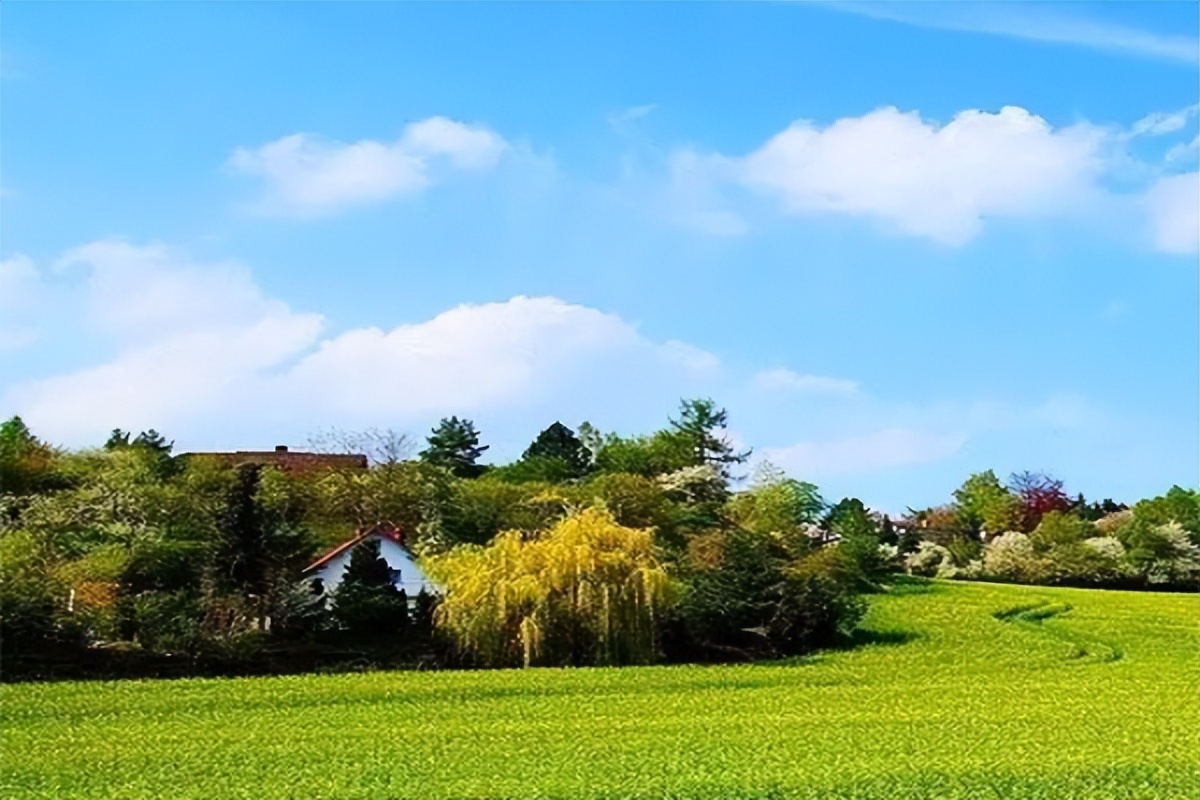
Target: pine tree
367 601
703 425
454 444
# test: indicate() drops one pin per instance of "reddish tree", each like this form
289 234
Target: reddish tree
1039 494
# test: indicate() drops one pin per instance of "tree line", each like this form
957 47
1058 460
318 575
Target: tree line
591 548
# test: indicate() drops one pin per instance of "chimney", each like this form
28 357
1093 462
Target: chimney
281 448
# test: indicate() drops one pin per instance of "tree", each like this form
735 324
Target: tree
367 601
152 445
27 464
702 425
1177 505
259 548
454 444
586 592
751 593
1039 494
777 503
649 456
559 443
858 542
986 505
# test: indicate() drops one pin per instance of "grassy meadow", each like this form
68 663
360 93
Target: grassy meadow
959 691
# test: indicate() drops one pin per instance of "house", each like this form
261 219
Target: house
406 575
287 460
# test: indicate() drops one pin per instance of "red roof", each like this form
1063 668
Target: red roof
384 529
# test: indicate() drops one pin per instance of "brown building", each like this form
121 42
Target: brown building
288 460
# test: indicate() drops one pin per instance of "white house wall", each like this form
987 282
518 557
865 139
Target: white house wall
408 576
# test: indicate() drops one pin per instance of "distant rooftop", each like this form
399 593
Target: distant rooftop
289 460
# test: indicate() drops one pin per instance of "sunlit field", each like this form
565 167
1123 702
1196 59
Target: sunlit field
958 690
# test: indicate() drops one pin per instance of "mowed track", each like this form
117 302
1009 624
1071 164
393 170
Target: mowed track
968 691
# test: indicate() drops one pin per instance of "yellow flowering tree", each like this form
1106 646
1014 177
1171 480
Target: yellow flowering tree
588 590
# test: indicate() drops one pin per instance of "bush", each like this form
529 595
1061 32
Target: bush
748 592
929 560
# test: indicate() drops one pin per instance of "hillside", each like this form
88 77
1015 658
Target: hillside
958 690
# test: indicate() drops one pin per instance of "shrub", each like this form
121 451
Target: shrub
929 560
750 592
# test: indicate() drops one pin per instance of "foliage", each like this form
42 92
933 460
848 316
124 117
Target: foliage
1177 505
985 505
27 464
587 591
761 592
1039 494
1161 554
559 445
454 445
152 444
477 510
701 425
929 560
367 602
776 503
1058 529
648 456
413 495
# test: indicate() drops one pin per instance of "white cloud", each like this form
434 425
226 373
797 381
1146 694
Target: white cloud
307 175
149 292
919 178
872 452
787 380
201 347
1163 122
1184 151
481 356
1035 22
1173 205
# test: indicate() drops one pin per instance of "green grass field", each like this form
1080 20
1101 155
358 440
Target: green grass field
971 691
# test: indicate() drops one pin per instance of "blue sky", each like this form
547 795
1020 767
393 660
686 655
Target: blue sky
899 242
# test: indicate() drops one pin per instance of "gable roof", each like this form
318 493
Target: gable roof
384 530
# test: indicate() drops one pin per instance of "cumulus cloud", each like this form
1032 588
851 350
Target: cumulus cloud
199 344
306 175
920 178
785 380
911 176
480 356
872 452
1173 205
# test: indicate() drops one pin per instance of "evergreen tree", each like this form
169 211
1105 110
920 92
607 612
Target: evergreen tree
454 444
702 424
366 601
559 443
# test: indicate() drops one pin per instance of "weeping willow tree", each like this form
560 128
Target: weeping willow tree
587 591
